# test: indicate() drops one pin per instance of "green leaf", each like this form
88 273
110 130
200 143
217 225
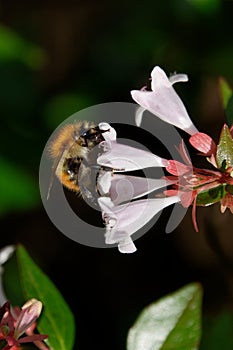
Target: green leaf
224 155
229 111
226 94
211 196
206 6
225 91
173 322
14 47
217 332
57 320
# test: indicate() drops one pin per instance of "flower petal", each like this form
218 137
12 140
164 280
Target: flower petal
126 158
227 202
5 254
159 79
187 198
178 169
125 188
164 102
138 116
184 153
29 313
110 132
203 143
104 182
123 220
177 78
127 246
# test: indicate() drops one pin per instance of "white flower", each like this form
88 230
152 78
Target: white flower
127 158
123 188
163 101
125 219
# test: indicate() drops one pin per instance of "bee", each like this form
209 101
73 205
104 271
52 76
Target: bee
75 155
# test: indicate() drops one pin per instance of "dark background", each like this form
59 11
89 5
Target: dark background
58 57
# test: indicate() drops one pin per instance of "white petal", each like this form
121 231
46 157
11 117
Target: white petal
104 126
110 134
138 116
127 246
178 78
129 218
5 254
164 102
106 204
121 190
104 182
125 158
159 78
124 188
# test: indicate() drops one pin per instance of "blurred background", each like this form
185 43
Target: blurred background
58 57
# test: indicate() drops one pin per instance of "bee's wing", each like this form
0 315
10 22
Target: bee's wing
54 168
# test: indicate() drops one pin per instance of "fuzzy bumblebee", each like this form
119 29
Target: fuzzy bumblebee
74 152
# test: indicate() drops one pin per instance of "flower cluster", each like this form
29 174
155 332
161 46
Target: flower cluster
122 213
188 185
17 326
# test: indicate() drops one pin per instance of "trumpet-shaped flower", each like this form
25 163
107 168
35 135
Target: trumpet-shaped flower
124 220
127 158
163 101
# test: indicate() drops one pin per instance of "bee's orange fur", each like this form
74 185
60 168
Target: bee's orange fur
65 179
63 140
